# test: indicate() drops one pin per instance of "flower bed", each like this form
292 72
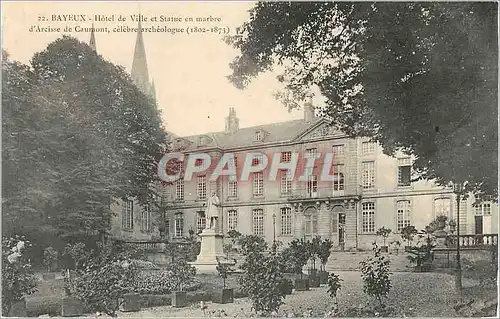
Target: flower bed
159 282
143 264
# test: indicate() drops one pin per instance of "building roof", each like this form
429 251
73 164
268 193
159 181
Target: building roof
243 137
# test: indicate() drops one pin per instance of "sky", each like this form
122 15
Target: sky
189 71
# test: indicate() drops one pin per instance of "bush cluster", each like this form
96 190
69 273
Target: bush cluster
18 278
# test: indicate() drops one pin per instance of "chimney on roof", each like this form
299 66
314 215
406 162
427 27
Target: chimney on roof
309 109
232 122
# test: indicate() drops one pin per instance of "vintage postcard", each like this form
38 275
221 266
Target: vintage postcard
249 159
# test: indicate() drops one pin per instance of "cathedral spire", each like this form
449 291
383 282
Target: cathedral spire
92 39
153 90
140 73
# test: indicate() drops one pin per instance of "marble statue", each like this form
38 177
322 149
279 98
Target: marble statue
212 211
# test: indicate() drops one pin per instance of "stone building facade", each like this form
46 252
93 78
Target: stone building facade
369 190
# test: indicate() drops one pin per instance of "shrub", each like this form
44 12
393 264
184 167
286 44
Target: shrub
334 285
233 234
77 253
182 274
314 250
333 288
251 243
103 280
300 253
384 233
375 274
193 249
324 252
223 270
125 250
18 279
422 253
262 277
287 262
50 256
408 233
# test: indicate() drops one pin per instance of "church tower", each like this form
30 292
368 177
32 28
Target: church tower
140 74
92 39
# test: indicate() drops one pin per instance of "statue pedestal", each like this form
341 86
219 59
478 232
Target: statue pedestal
211 248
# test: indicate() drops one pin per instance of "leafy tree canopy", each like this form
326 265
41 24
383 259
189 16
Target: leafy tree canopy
77 133
417 77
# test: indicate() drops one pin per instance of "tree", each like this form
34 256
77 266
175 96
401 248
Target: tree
79 134
262 276
300 252
417 77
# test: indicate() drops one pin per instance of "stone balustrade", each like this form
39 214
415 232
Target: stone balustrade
473 241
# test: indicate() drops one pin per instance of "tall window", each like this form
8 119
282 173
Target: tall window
258 184
201 187
179 189
286 182
368 147
368 217
338 177
258 222
201 222
179 225
233 188
312 153
127 214
482 208
442 206
368 177
286 221
232 220
312 186
286 157
338 150
233 162
311 224
146 219
403 214
404 171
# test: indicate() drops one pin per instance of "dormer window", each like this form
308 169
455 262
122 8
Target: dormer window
258 135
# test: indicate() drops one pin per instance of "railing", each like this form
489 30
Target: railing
473 241
316 192
147 245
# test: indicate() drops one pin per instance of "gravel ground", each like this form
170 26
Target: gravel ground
414 294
